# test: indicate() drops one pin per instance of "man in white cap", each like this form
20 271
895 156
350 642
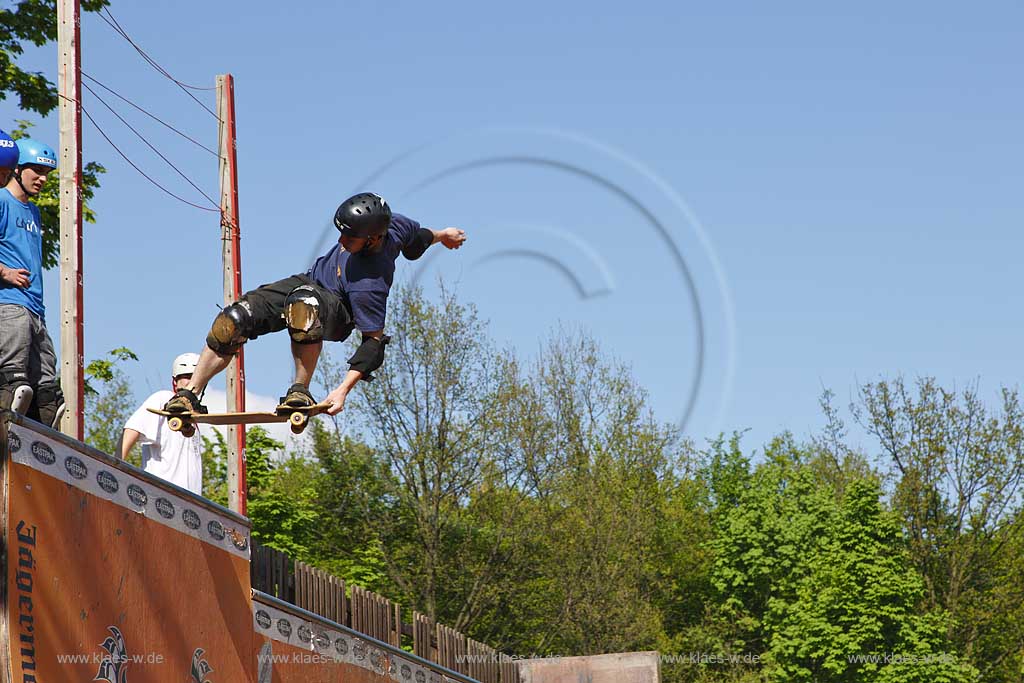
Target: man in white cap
169 455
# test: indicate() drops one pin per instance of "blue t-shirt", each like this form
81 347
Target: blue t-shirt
21 246
364 279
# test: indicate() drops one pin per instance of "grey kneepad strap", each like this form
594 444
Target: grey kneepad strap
230 329
302 311
369 356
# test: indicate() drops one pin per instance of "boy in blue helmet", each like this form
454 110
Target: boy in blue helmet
28 364
8 157
346 289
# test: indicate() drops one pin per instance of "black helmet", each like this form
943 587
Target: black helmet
364 215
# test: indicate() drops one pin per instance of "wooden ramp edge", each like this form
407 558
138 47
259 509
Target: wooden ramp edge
292 646
112 574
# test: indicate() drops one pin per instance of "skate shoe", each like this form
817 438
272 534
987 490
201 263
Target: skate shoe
184 401
298 396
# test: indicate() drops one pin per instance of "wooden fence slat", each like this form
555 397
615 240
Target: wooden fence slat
376 625
275 560
357 609
340 605
396 624
346 605
326 603
268 567
421 636
318 599
277 571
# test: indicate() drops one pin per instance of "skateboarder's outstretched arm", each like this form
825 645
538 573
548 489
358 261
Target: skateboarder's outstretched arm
450 237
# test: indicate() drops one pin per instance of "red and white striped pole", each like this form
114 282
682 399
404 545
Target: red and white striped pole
230 238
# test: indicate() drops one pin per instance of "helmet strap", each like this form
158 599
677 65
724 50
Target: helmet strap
17 176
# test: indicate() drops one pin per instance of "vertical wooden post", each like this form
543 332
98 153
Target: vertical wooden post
230 240
69 76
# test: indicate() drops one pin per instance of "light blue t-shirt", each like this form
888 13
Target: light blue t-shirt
21 246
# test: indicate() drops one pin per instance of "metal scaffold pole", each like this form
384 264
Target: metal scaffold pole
71 325
232 284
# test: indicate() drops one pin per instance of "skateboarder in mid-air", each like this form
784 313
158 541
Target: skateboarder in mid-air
347 288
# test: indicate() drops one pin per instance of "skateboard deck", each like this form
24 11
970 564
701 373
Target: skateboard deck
297 418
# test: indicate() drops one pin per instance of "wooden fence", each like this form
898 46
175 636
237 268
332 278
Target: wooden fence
364 611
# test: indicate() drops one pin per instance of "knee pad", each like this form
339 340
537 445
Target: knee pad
369 356
302 313
15 392
49 403
230 329
22 399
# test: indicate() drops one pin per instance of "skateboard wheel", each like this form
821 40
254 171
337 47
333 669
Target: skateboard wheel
175 423
189 431
298 422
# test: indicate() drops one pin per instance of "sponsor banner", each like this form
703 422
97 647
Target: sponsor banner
52 457
314 643
98 591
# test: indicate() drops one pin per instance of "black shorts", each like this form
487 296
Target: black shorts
266 304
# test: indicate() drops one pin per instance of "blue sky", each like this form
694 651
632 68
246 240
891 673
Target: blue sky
747 203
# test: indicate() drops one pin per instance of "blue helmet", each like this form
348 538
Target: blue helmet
8 151
35 152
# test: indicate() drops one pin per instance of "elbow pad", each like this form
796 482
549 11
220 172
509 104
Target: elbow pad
369 356
423 239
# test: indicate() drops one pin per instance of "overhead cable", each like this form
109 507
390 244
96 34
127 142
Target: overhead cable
141 172
112 22
149 114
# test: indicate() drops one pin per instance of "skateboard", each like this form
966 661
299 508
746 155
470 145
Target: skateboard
297 418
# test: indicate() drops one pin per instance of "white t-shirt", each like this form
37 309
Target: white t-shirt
169 455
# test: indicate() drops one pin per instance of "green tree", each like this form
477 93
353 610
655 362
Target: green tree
611 471
35 22
858 595
536 507
814 580
351 493
280 495
109 402
422 416
957 480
